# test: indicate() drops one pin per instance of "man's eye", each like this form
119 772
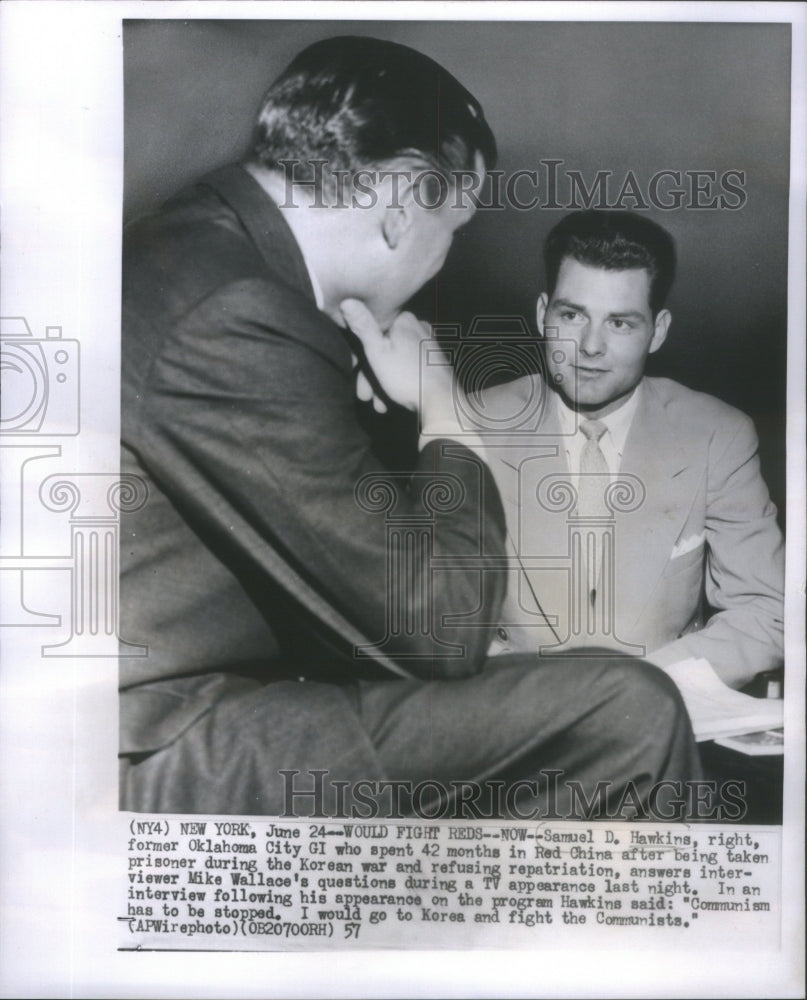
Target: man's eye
569 315
621 324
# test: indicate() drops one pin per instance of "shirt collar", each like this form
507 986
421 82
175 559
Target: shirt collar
315 285
617 422
264 222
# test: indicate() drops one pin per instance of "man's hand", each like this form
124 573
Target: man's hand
395 359
364 388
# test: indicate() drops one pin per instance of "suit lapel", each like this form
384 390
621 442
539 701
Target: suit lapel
535 532
523 457
541 530
645 537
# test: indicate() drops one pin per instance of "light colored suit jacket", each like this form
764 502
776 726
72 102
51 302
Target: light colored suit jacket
692 559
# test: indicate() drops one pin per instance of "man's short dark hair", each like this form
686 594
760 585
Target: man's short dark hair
358 103
615 241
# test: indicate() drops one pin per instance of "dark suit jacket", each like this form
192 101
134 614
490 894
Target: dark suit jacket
705 528
252 554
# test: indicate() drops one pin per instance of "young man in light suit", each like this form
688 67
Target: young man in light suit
677 554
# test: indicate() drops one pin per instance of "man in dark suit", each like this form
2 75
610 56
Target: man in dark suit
303 604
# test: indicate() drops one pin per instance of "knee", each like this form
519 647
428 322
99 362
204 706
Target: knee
649 696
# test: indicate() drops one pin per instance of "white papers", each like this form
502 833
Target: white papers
715 709
768 743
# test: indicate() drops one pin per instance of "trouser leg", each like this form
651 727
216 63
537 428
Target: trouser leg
232 759
609 720
617 721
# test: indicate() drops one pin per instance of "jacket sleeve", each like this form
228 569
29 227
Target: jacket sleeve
744 567
249 425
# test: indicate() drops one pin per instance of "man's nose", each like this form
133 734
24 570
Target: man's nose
592 343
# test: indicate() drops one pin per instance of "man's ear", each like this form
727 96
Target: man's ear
396 197
540 311
661 326
399 216
395 224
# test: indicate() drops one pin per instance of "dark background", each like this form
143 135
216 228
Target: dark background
599 96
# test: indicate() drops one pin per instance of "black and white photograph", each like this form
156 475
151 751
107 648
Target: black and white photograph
288 528
403 550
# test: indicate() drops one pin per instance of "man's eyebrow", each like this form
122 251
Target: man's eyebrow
566 304
627 314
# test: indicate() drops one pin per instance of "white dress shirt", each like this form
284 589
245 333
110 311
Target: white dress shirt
612 443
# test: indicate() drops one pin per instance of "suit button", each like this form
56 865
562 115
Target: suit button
501 634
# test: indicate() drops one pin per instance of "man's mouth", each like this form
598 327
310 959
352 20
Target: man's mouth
589 372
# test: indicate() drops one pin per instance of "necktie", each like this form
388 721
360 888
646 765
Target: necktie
594 472
593 479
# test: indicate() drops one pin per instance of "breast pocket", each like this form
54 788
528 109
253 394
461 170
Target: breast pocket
689 562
